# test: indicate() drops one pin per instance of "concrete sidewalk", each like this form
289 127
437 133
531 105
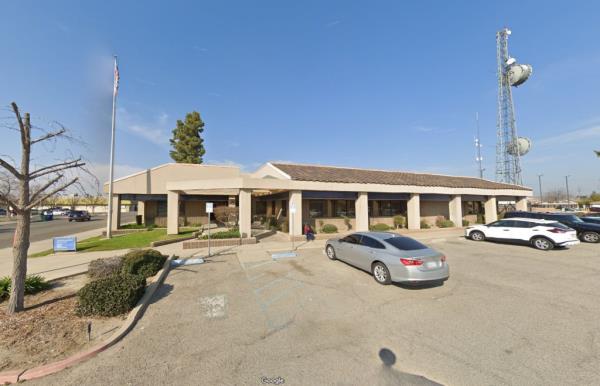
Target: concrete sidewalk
70 263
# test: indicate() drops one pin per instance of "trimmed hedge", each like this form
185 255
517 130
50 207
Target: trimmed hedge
465 223
230 234
445 224
101 268
425 225
329 228
380 227
114 295
143 262
33 284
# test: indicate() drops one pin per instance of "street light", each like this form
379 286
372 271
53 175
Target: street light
540 182
567 183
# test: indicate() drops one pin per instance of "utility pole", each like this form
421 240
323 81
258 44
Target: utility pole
109 218
567 183
540 182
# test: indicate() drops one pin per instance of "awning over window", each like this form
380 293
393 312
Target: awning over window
324 195
389 196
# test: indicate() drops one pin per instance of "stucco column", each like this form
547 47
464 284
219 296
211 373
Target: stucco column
116 212
361 207
245 214
491 210
295 219
172 213
522 203
141 210
413 211
455 210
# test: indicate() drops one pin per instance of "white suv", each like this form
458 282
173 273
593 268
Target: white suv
541 234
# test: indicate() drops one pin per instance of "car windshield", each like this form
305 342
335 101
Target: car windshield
571 218
405 243
558 225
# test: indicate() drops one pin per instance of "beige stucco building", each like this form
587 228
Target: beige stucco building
175 195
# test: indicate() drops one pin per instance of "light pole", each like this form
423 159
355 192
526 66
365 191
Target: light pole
567 183
540 182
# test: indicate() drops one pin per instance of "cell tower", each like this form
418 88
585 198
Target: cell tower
509 146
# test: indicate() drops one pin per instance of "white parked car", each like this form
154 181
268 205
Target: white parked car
541 234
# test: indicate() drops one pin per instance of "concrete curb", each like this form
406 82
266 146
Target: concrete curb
15 376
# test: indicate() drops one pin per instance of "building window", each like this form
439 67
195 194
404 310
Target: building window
161 209
344 208
316 208
391 208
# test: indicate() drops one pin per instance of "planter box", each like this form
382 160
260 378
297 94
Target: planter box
124 231
197 244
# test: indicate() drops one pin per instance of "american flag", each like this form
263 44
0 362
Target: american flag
116 83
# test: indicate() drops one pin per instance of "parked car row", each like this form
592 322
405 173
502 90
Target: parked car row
543 231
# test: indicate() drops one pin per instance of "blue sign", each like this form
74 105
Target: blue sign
62 244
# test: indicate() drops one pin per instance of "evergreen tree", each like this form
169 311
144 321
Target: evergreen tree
188 146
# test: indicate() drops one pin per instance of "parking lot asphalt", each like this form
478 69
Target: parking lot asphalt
508 315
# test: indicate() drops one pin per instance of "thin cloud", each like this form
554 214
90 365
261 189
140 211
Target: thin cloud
155 131
333 23
571 136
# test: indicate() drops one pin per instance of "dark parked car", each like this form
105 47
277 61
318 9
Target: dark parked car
586 231
2 212
591 219
79 215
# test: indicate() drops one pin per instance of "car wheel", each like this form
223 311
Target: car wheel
477 236
330 252
590 237
542 243
381 273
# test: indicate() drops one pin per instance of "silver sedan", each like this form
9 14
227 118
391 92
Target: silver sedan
390 257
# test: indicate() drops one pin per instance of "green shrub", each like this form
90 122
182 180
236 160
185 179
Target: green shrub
133 226
284 226
113 295
33 284
399 221
143 262
445 224
101 268
329 228
465 222
425 225
347 222
381 227
271 222
229 234
4 288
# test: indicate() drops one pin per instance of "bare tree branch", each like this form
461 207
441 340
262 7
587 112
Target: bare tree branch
11 169
20 121
49 135
33 204
5 199
56 168
41 190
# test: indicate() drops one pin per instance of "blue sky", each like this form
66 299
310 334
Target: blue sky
382 84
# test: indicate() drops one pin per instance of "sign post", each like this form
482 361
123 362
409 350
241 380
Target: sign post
209 210
292 213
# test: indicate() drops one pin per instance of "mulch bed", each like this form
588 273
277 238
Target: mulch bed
48 330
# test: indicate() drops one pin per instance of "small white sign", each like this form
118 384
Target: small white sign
209 207
292 208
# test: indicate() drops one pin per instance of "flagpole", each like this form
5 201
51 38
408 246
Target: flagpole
112 156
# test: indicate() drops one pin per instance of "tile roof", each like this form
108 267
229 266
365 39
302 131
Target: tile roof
302 172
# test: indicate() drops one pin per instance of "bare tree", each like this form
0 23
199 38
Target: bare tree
49 180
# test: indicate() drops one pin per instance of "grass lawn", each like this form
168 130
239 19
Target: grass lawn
131 240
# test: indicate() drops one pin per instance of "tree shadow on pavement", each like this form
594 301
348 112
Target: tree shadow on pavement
391 376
